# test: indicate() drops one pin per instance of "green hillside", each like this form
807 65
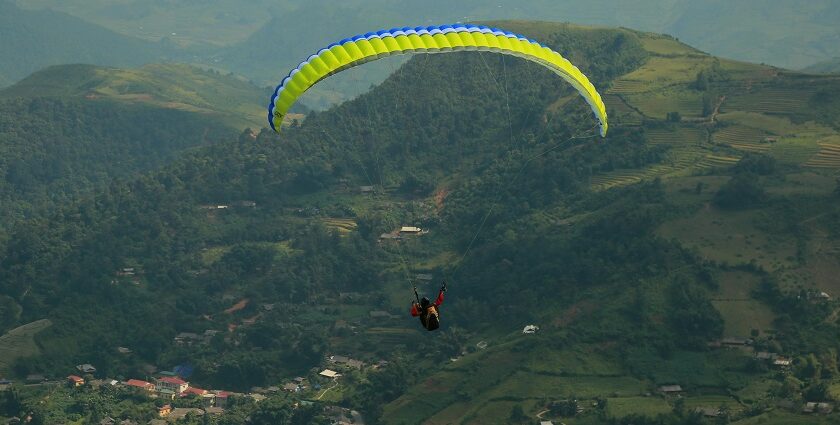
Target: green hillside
705 218
169 86
69 130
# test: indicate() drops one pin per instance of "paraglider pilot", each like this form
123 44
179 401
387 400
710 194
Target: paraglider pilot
428 311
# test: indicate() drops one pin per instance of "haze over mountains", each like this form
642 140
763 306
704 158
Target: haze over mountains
258 39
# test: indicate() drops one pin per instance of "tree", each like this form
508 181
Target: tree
272 411
517 414
673 116
740 192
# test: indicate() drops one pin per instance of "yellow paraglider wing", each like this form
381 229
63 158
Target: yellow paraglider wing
357 50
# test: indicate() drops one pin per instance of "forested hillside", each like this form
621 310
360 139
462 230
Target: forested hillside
70 130
705 220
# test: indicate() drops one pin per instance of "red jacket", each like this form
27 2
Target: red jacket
415 308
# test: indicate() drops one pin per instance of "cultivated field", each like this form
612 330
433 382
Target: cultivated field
20 342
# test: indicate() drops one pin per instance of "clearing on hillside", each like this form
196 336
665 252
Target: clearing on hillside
20 342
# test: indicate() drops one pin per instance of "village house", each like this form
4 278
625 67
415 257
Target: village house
330 374
171 383
126 271
208 400
188 338
764 355
140 385
108 421
735 342
411 230
166 394
424 277
222 399
179 413
367 189
86 368
75 381
379 314
821 408
670 389
546 423
782 362
164 410
389 236
530 329
123 350
192 391
215 411
35 377
291 387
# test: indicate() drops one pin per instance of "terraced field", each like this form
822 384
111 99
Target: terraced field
682 162
743 138
680 136
793 151
620 112
714 160
827 157
342 225
659 104
771 100
626 86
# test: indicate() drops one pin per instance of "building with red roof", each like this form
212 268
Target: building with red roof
75 381
164 410
172 383
193 391
143 385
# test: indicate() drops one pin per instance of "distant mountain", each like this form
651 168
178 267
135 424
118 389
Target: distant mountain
263 39
826 67
32 40
724 28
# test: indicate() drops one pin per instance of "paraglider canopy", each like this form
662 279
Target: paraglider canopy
363 48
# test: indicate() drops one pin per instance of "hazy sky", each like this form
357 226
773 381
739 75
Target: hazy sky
786 33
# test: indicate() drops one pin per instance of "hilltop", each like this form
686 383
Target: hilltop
707 217
36 39
227 98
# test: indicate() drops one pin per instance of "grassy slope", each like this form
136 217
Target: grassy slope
169 86
19 342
